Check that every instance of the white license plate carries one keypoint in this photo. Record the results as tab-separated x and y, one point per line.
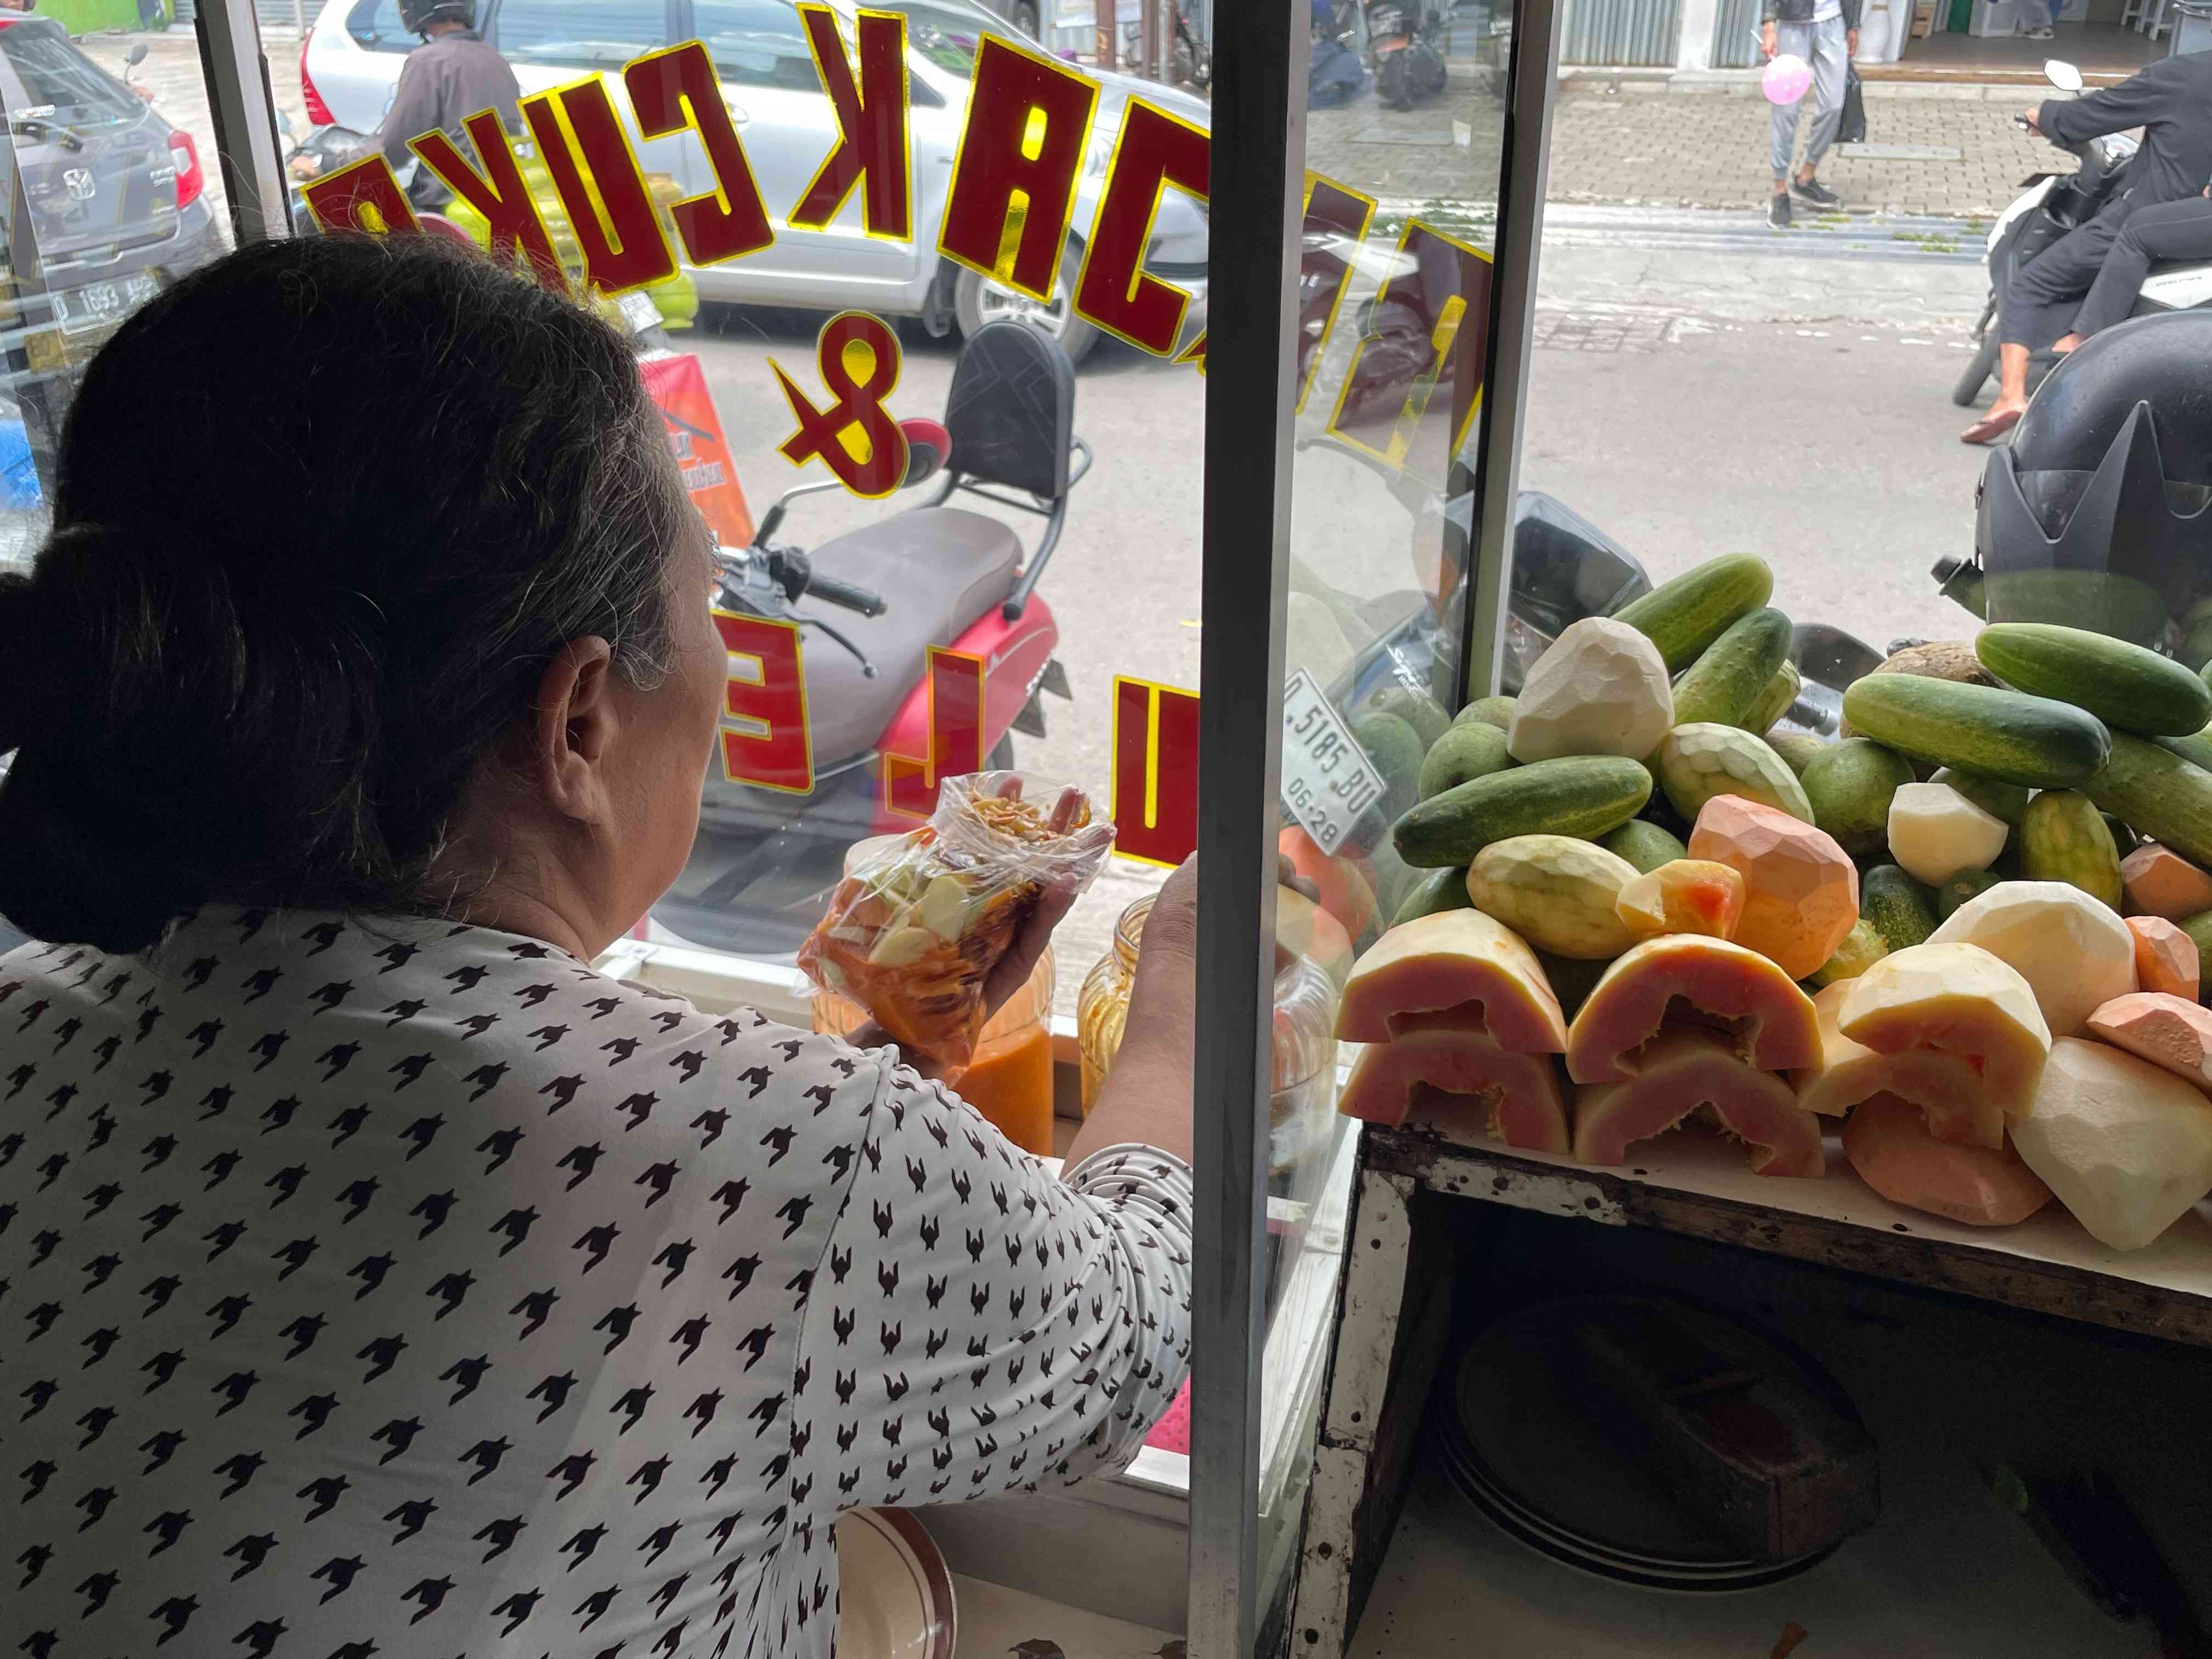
1328	782
639	312
98	304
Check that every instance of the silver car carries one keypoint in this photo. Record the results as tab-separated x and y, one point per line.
768	80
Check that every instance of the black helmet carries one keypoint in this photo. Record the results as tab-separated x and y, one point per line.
2096	514
419	14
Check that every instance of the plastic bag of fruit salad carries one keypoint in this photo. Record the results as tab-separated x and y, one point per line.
912	933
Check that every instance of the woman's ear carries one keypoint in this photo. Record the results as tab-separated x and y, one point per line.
573	724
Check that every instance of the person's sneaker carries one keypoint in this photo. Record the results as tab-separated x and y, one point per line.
2040	35
1778	212
1813	190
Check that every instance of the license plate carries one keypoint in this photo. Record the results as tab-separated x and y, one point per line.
99	305
639	312
1328	782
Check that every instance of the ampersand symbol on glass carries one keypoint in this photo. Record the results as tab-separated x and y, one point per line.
856	437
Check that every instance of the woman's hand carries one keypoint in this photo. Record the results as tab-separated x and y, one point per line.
1053	902
1767	38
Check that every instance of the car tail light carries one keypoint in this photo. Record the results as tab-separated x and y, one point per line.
318	112
191	179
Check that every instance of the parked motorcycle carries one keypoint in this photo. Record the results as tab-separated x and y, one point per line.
2050	205
1190	59
1334	75
933	574
1405	43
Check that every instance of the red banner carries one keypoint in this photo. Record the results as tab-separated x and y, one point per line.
679	385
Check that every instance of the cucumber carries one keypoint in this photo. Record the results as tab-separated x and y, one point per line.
2129	687
1797	749
1418	710
1556	892
1580	795
2063	838
1439	889
1487	711
1697	763
2158	795
1862	948
1850	784
1897	906
1726	683
2119	606
1462	755
2196	748
2011	736
1957	891
2000	800
1684	616
1779	698
2199	929
1643	844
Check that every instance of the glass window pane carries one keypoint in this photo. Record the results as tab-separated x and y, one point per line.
588	34
757	43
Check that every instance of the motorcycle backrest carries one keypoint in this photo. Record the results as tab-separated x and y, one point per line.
1011	413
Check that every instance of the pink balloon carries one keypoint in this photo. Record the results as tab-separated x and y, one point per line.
1787	77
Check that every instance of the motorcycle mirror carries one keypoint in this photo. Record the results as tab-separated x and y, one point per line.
2062	75
928	447
137	54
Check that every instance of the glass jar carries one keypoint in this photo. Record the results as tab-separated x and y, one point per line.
1101	1008
1010	1079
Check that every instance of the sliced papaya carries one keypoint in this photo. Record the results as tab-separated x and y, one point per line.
1454	959
1688	979
1945	1089
1516	1096
1888	1144
1959	999
1683	1070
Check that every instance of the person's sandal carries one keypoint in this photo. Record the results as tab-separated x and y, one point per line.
1991	427
1813	190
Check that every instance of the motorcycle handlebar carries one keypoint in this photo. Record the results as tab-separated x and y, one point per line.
852	598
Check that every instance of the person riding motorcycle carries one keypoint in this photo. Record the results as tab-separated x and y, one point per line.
2095	516
447	79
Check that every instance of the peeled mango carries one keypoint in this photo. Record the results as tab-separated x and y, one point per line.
2126	1145
1957	999
1684	896
1735	994
1517	1095
2158	882
1890	1147
2166	957
1556	892
1800	889
1682	1071
1600	689
2162	1029
1944	1090
2071	949
1453	960
1935	832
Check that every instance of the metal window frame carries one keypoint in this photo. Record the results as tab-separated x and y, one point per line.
244	111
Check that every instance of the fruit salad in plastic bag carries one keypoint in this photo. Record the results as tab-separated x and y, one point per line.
913	934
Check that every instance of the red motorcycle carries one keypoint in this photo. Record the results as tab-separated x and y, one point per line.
766	859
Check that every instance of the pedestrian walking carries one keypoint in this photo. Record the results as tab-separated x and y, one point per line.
1824	34
2035	18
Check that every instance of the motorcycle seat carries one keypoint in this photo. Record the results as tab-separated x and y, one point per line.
937	569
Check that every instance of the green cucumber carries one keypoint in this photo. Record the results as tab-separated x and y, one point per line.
2011	736
2119	606
1797	748
1850	784
1579	795
1779	698
1439	889
1862	948
2199	929
1727	681
1461	755
1643	844
1897	906
2158	795
2196	748
2063	838
2000	800
1487	711
1697	763
1684	616
1972	884
2129	687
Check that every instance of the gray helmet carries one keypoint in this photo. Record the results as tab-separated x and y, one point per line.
418	15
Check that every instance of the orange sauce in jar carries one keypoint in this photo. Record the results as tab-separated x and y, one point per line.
1010	1082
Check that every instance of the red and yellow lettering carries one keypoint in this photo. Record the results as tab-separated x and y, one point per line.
1155	150
767	691
1155	772
1442	299
1013	180
601	186
871	129
1331	209
498	192
674	90
364	197
856	438
956	736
